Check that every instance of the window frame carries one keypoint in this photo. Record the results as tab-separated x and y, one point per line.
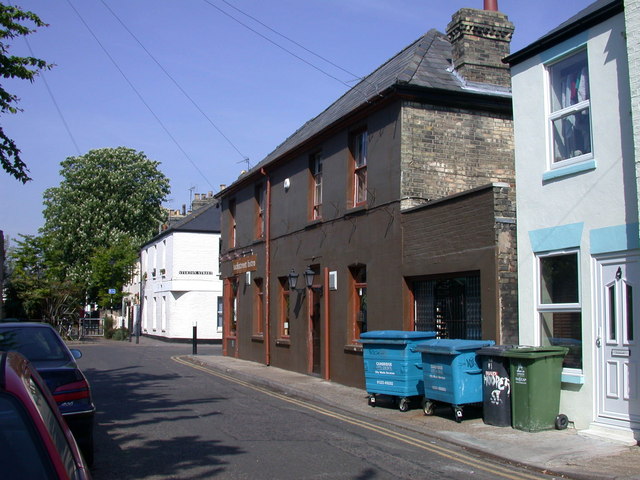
284	319
259	199
232	223
554	114
258	307
566	307
356	326
358	151
316	166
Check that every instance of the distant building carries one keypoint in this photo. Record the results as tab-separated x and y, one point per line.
180	285
578	242
396	202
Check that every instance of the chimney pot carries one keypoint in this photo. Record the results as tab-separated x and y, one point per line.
491	5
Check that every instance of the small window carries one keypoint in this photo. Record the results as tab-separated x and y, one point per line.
358	317
258	302
220	313
359	143
259	206
559	305
315	166
570	110
232	223
283	324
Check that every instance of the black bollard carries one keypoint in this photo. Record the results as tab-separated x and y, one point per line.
194	350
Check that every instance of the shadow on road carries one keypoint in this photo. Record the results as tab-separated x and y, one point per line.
130	401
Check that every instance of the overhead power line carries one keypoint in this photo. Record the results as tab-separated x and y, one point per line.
175	82
278	45
139	95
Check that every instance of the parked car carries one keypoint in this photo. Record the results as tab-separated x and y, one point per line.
36	441
56	364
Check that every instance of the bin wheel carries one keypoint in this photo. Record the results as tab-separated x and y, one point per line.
372	400
457	412
428	407
403	404
562	422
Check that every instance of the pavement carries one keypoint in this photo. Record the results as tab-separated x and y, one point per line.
568	453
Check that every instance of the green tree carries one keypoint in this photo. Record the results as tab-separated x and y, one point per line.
34	287
13	23
112	268
107	197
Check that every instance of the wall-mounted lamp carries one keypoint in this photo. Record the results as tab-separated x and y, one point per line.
308	279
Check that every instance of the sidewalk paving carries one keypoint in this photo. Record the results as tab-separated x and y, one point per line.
565	452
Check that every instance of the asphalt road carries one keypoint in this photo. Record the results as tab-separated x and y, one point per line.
161	419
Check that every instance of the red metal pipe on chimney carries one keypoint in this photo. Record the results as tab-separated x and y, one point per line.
491	5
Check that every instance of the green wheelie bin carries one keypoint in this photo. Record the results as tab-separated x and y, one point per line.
535	387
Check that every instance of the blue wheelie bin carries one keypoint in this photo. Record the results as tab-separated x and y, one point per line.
391	366
452	373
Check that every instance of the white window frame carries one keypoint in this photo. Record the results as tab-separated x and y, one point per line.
553	115
542	308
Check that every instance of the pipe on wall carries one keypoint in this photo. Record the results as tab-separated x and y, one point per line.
267	280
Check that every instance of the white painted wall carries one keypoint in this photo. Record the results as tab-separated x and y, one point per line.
603	197
190	286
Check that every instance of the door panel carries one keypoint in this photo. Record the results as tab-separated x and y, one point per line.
617	350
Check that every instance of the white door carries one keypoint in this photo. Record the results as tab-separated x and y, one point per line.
617	334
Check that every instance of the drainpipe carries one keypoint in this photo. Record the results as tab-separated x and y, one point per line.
491	5
267	280
327	333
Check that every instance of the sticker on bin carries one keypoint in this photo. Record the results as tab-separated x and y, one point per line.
521	375
384	368
384	382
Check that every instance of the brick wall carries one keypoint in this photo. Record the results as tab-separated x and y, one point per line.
448	150
480	40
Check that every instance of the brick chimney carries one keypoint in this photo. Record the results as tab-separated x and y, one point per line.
480	40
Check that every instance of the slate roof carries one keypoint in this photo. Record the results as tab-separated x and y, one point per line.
206	219
425	64
595	13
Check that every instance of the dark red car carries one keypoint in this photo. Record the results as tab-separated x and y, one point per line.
36	442
56	364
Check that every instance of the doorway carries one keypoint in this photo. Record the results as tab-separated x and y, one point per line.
617	351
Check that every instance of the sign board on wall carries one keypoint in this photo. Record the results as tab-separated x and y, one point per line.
245	264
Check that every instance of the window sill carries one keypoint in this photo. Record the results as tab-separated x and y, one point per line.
283	342
258	240
359	210
259	338
353	348
569	170
574	378
314	223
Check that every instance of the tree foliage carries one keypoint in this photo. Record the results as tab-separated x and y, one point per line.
107	197
37	289
112	268
13	23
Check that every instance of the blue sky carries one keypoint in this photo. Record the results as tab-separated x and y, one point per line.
235	81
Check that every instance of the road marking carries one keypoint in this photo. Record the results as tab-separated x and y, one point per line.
492	468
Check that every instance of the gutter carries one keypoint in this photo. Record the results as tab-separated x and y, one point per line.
561	34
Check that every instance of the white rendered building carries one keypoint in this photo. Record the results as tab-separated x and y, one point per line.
181	287
577	203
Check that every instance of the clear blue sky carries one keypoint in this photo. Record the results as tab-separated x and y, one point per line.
253	91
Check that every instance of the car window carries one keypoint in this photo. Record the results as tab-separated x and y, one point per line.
54	427
22	453
36	344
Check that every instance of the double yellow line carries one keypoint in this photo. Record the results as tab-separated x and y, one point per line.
493	468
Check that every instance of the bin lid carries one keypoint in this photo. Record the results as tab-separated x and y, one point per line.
381	336
523	351
451	345
495	350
